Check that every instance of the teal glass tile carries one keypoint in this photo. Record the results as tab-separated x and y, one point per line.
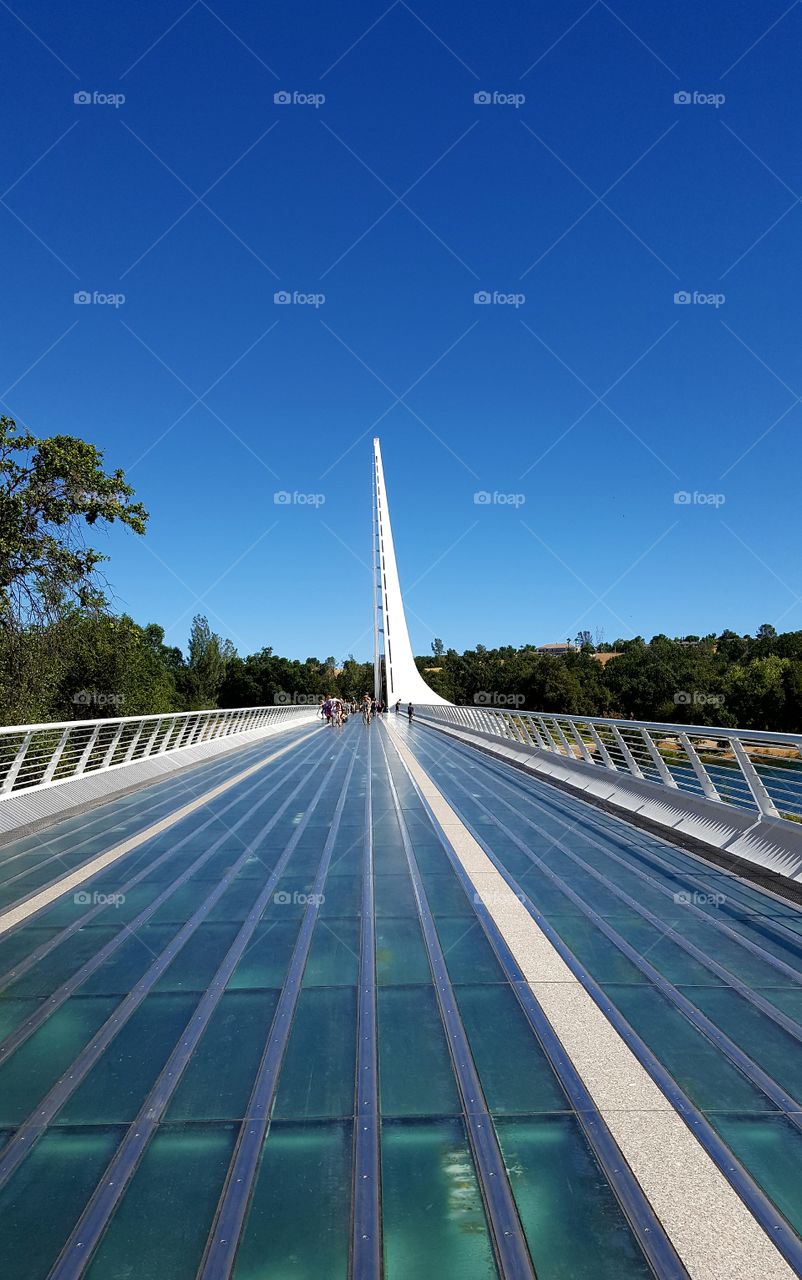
305	1169
160	1227
315	1084
117	1085
434	1221
573	1223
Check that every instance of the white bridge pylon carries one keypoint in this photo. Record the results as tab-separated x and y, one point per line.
402	678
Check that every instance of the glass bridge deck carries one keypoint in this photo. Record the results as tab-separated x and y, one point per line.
282	1039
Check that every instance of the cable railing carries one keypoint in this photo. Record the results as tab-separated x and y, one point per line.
747	768
38	755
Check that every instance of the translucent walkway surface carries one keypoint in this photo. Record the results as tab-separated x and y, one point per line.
287	1037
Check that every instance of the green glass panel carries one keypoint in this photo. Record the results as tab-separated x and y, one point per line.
394	896
710	1080
414	1063
400	952
161	1224
42	1202
469	956
236	901
183	903
305	1169
314	1083
666	956
771	1149
729	953
773	1048
513	1069
573	1223
597	953
267	955
29	1073
18	946
333	959
117	1085
13	1012
342	895
199	959
434	1221
217	1082
445	895
65	960
130	961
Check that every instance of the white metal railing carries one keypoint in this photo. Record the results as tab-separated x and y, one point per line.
37	755
743	767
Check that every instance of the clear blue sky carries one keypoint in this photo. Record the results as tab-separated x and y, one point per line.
399	197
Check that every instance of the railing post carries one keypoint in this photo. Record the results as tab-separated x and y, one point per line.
47	776
754	781
632	764
112	747
659	763
87	751
701	772
11	776
586	756
132	745
603	752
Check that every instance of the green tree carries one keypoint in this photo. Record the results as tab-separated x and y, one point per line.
206	666
51	491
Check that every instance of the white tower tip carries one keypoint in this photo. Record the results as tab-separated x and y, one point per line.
402	677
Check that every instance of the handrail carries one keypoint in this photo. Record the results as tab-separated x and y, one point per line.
746	768
35	756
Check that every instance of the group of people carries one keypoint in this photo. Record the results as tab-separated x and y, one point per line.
335	711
